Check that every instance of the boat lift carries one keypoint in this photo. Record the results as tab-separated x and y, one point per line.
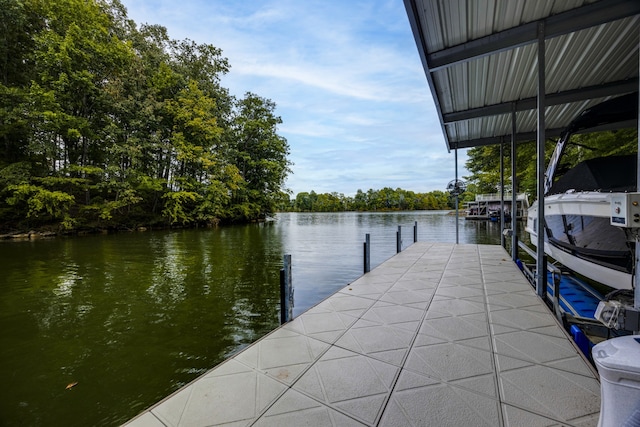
573	301
583	311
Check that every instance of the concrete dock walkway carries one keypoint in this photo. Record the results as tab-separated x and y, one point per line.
438	335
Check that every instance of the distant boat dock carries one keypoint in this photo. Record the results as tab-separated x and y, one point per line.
487	206
440	334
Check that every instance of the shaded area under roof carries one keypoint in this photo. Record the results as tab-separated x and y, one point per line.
480	59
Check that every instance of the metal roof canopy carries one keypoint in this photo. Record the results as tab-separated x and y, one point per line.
518	70
480	59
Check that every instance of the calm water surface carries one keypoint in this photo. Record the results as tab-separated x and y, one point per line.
132	317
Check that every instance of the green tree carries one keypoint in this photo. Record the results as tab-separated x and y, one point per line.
18	24
360	201
260	156
103	123
303	202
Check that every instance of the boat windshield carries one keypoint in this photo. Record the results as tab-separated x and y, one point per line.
604	130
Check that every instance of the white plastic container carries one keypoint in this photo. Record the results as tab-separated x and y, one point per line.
618	362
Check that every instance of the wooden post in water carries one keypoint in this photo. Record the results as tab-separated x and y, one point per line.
286	291
399	240
415	232
367	253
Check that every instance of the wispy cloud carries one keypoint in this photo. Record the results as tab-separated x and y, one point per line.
346	79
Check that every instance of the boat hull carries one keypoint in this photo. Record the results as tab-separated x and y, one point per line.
579	236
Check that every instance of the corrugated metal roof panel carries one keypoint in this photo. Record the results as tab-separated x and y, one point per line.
596	55
595	45
496	126
453	22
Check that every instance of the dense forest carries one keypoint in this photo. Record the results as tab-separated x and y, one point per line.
386	199
104	124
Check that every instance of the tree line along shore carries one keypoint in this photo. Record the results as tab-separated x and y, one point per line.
105	124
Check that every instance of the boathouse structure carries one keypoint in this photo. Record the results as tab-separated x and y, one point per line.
510	71
496	207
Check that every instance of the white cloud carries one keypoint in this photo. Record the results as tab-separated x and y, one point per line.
346	79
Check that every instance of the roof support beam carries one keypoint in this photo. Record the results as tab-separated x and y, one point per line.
412	13
502	225
530	136
636	294
455	151
563	23
574	95
514	191
520	137
541	261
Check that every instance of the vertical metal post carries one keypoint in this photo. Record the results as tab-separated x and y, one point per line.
455	151
399	239
541	264
283	299
514	189
636	280
286	291
502	225
367	253
415	231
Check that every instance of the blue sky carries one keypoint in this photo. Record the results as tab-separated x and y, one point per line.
345	76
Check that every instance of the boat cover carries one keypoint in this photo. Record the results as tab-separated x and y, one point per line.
607	174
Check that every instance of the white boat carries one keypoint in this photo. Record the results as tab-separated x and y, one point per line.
578	230
593	247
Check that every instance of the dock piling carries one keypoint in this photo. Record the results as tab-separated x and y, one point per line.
415	231
367	253
286	291
399	239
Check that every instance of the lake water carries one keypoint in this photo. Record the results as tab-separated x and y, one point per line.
95	329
